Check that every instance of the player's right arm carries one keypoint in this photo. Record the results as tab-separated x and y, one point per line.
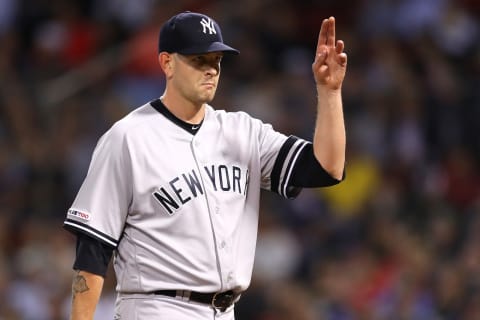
97	218
91	263
86	291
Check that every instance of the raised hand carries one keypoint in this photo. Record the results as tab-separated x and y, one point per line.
330	61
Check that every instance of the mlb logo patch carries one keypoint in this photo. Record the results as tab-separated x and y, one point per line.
79	214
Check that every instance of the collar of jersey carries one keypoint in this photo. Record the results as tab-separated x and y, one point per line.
158	105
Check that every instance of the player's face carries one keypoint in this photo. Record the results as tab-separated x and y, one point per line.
196	76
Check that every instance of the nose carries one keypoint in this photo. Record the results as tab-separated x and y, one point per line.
212	68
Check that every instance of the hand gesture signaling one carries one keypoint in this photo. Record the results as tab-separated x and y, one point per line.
330	61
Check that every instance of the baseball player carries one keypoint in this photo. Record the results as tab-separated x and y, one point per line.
172	191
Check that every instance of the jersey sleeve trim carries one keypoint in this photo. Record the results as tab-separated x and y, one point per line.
75	226
284	164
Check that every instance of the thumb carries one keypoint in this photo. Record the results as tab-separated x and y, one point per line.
321	56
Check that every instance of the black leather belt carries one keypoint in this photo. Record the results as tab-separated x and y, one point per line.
218	300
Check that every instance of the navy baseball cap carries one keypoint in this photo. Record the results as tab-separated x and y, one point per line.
192	33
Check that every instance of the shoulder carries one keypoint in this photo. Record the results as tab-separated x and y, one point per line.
235	118
132	122
123	133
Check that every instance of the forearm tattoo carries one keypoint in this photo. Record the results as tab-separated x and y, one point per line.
79	284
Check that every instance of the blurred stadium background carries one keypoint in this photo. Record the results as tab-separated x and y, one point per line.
399	239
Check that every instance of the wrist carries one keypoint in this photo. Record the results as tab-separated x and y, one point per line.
324	91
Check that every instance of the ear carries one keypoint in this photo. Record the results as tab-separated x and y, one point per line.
167	63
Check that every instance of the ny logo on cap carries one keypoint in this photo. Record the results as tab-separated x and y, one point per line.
208	24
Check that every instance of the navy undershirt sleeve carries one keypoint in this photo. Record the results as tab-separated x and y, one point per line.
308	173
92	255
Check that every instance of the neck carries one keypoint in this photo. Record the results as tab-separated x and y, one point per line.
183	109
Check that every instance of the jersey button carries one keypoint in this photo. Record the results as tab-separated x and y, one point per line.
223	245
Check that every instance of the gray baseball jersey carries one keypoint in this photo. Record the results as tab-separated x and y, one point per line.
182	209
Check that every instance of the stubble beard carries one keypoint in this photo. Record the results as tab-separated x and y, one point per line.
206	97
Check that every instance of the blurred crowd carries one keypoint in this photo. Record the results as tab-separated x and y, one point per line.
399	239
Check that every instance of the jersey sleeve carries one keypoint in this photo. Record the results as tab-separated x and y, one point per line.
278	154
284	162
289	164
101	205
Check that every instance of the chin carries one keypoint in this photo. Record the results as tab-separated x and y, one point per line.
208	98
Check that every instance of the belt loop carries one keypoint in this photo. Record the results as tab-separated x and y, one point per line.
183	295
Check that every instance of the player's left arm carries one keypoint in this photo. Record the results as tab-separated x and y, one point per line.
329	69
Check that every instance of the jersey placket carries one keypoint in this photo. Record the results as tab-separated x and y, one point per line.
196	149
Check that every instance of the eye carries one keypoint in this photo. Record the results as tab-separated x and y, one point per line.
198	59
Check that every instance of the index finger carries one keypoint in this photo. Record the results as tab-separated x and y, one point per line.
322	36
331	32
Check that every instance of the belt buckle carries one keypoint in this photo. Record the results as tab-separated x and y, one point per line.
223	300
